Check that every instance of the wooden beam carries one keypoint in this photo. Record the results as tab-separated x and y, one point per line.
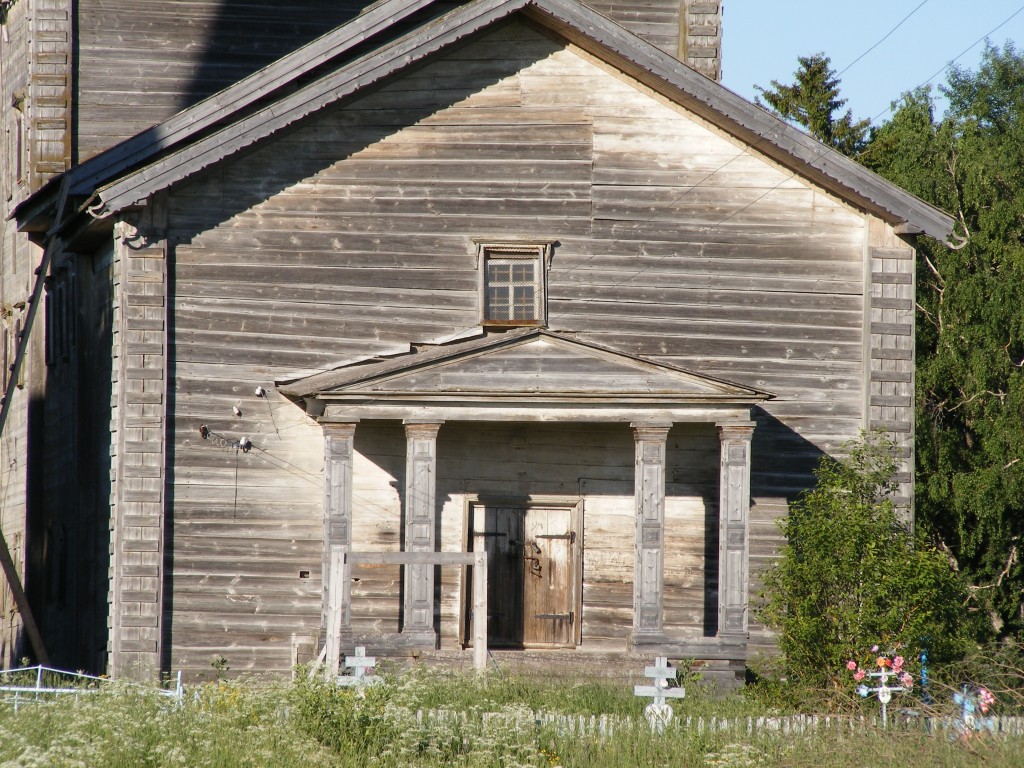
480	611
339	607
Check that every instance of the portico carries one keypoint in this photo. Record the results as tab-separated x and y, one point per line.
539	377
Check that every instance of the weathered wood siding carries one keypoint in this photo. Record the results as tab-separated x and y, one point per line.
890	335
690	30
49	95
352	235
14	254
140	61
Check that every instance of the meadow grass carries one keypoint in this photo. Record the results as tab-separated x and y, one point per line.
472	722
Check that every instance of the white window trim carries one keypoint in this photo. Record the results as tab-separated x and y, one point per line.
541	250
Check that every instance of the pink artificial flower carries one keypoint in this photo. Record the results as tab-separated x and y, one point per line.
897	663
859	675
874	649
907	680
985	699
851	665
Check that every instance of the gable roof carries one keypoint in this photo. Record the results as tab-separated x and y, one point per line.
295	87
523	364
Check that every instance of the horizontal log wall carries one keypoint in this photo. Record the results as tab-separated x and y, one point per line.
140	61
352	235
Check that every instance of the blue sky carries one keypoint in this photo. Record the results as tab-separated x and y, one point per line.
762	39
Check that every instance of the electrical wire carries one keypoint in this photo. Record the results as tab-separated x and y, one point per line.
885	37
959	56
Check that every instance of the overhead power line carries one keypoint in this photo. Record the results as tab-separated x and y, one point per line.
885	37
960	55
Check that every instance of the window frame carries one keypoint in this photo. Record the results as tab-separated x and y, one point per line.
537	251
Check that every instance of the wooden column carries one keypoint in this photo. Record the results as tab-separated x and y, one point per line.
339	449
649	563
420	521
734	527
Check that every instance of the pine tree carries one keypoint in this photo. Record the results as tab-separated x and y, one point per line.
813	101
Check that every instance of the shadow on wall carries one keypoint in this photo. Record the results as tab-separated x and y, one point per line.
540	464
246	35
130	72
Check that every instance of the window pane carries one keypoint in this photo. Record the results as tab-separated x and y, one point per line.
511	288
523	303
498	307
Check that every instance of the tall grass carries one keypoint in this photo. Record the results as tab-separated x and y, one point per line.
473	723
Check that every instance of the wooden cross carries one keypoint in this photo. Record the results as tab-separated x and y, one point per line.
659	711
362	668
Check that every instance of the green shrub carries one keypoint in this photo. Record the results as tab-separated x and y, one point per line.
850	575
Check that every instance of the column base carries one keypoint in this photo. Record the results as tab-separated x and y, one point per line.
423	639
641	641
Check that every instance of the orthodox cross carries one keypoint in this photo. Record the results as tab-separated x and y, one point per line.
362	669
883	690
659	711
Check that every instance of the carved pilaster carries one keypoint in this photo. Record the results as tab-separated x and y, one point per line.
420	521
339	449
734	527
649	567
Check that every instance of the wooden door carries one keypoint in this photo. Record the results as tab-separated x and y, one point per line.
531	593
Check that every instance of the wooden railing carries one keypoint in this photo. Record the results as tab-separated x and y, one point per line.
339	595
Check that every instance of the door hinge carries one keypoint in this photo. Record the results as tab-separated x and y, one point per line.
571	536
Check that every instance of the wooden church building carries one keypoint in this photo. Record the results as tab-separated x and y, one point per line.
426	276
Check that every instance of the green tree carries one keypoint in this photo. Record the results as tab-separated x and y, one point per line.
813	101
850	575
970	329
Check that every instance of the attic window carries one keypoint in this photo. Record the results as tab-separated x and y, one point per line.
513	278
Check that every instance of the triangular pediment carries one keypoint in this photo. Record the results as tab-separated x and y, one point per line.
524	365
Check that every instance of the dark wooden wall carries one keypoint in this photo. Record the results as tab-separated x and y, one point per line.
140	61
352	235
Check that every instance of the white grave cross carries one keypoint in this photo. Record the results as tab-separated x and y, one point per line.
883	690
362	669
659	711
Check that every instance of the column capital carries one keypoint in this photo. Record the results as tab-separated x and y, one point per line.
342	429
654	431
421	429
736	430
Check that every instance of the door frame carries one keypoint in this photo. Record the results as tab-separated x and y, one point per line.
574	504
